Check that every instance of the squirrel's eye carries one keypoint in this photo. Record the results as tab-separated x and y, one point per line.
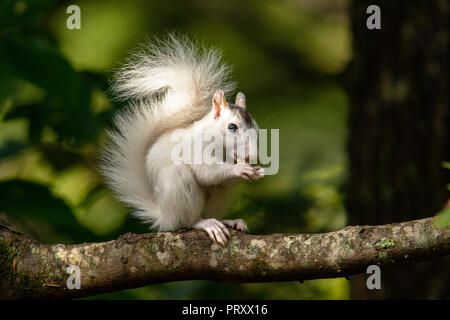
232	127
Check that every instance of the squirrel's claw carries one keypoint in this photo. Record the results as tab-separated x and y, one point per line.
215	229
237	224
249	172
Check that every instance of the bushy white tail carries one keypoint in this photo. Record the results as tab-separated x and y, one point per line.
170	83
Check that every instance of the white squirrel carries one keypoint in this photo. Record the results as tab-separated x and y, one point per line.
172	84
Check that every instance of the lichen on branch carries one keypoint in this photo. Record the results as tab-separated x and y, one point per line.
33	270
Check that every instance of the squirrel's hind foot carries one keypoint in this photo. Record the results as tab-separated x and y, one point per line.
237	224
216	230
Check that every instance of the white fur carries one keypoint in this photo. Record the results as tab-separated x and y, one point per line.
170	85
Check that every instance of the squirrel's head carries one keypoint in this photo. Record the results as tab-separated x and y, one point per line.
237	125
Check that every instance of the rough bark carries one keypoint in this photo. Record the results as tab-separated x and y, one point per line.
399	130
38	271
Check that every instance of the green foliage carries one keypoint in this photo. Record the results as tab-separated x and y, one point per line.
446	165
28	202
442	219
14	13
66	107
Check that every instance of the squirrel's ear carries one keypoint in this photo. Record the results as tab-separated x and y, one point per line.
240	100
219	102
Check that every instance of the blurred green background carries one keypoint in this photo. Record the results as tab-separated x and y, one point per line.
287	57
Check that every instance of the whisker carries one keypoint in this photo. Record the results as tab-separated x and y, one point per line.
273	115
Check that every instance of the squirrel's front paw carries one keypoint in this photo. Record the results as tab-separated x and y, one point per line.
215	229
248	172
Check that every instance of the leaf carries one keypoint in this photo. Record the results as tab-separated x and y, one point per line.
29	201
66	107
34	59
446	165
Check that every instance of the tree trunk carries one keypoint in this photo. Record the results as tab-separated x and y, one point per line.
399	131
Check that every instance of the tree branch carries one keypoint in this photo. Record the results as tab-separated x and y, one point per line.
29	269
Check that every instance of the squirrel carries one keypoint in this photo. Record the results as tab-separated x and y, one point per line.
173	84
